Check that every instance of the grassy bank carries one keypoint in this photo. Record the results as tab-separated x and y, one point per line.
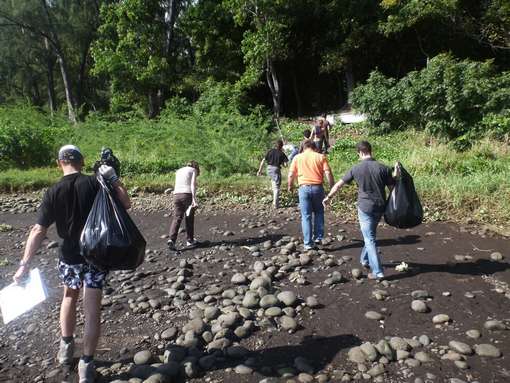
471	185
462	186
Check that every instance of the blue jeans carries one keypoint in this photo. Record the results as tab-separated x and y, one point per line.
294	153
369	256
310	202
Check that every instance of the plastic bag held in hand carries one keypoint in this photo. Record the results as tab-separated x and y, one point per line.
110	239
403	208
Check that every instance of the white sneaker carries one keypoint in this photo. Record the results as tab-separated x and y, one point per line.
86	372
65	352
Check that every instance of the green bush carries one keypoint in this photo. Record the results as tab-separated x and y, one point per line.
293	130
28	138
219	131
449	99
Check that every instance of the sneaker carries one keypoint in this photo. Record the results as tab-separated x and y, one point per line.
317	241
378	277
171	245
366	266
307	247
86	372
65	352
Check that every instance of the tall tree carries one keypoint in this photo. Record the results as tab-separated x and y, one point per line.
264	42
136	49
58	27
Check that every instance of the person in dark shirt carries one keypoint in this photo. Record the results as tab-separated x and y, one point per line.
275	159
67	204
372	178
307	134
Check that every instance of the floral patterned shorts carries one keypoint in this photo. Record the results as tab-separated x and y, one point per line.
75	276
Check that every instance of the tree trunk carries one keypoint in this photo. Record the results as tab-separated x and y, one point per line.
171	12
170	17
274	86
153	103
349	80
55	42
50	64
82	74
67	88
296	93
36	99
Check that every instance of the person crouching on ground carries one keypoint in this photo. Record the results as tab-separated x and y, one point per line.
275	159
310	168
185	203
372	178
67	204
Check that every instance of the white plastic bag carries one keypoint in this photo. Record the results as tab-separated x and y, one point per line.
17	299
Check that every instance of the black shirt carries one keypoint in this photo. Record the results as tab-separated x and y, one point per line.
68	203
276	157
372	177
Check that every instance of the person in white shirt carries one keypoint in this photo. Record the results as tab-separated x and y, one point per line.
185	203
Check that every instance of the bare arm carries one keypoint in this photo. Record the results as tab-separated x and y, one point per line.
329	177
290	180
194	189
35	238
333	191
259	172
122	194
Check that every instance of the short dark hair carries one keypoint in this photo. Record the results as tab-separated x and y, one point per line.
307	133
279	143
364	147
309	144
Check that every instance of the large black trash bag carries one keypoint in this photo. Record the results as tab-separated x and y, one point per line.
110	239
403	208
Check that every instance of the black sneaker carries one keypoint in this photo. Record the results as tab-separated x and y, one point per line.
171	245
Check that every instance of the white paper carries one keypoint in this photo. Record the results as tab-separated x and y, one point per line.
188	210
17	299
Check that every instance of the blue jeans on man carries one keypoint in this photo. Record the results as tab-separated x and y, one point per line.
369	257
310	203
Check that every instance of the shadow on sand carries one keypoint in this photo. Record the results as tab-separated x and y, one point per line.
479	267
404	240
311	355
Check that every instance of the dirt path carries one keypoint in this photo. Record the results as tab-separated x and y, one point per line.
452	263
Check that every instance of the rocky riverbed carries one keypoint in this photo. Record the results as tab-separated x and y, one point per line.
251	306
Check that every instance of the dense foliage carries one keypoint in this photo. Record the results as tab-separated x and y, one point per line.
212	131
29	138
458	100
293	56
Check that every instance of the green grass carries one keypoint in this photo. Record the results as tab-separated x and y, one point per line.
471	185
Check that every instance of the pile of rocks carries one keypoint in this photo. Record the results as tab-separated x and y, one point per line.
221	315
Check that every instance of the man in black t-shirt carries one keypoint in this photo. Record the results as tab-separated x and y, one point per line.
372	178
67	204
275	159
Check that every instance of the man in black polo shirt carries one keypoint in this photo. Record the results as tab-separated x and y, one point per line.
275	158
67	204
372	178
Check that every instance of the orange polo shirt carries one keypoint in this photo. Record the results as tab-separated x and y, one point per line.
309	167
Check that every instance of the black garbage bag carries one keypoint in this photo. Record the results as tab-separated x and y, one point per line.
110	239
403	208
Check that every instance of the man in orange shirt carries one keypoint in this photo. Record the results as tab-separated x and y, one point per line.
310	168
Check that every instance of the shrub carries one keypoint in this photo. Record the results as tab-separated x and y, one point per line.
293	130
449	98
28	138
